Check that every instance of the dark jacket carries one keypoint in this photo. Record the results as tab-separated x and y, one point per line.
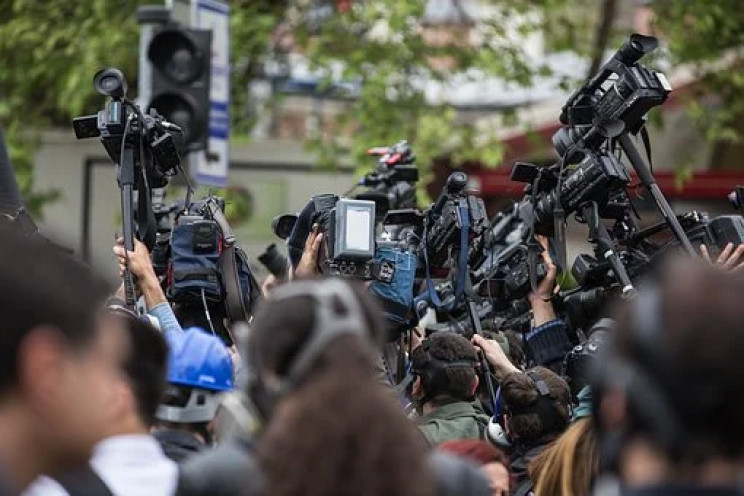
178	445
458	420
686	490
231	469
520	461
454	476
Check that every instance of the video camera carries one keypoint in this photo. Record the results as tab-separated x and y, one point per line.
392	183
144	151
622	91
455	223
349	245
597	178
121	123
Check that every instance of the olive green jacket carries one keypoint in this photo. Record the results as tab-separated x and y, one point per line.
459	420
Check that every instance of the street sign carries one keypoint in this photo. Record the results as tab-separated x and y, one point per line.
210	167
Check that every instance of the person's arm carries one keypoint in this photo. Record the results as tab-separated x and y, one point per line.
147	281
500	363
540	299
547	340
549	344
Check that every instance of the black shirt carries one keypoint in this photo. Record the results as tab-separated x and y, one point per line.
178	445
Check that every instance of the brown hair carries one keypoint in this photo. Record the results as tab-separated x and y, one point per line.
520	391
340	431
569	465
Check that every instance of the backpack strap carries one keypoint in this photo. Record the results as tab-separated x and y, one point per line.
85	482
234	300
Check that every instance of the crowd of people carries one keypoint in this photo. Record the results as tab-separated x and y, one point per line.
96	399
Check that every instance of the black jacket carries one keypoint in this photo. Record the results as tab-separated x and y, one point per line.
520	461
231	469
178	445
686	490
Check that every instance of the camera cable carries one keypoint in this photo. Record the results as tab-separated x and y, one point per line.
206	312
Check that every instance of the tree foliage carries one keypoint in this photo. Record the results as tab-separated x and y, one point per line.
709	36
50	49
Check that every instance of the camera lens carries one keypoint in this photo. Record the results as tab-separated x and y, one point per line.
110	82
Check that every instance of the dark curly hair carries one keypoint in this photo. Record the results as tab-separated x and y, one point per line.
339	431
451	347
519	391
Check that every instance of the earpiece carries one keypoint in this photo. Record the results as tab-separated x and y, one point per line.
497	435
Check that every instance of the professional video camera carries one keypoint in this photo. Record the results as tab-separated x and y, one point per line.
143	149
622	91
392	183
455	223
193	248
348	227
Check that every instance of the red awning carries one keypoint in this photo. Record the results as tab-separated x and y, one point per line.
704	185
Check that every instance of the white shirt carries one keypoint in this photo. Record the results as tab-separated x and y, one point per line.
131	464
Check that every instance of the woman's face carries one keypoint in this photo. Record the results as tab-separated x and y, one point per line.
498	478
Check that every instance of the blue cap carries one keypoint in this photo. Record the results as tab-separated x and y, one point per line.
200	360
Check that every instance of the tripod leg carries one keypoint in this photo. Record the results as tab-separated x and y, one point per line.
648	180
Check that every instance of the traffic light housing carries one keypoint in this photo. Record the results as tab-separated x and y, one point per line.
180	59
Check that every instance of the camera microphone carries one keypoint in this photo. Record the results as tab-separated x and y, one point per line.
172	127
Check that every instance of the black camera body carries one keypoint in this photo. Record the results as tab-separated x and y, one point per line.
622	91
392	183
120	122
715	233
445	223
516	274
597	177
349	229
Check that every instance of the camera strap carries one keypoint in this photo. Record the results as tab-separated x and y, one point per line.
234	301
462	264
146	225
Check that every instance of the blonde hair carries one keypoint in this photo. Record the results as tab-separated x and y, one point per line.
568	466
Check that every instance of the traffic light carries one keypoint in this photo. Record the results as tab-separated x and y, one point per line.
180	58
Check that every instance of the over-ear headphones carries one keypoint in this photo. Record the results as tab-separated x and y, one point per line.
337	313
545	406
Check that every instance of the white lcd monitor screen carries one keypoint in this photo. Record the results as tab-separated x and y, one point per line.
358	229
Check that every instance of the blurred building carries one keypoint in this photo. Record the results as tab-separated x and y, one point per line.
278	174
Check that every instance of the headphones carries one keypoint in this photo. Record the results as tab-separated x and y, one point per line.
544	407
330	322
433	371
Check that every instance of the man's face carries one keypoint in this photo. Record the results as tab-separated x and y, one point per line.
83	384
